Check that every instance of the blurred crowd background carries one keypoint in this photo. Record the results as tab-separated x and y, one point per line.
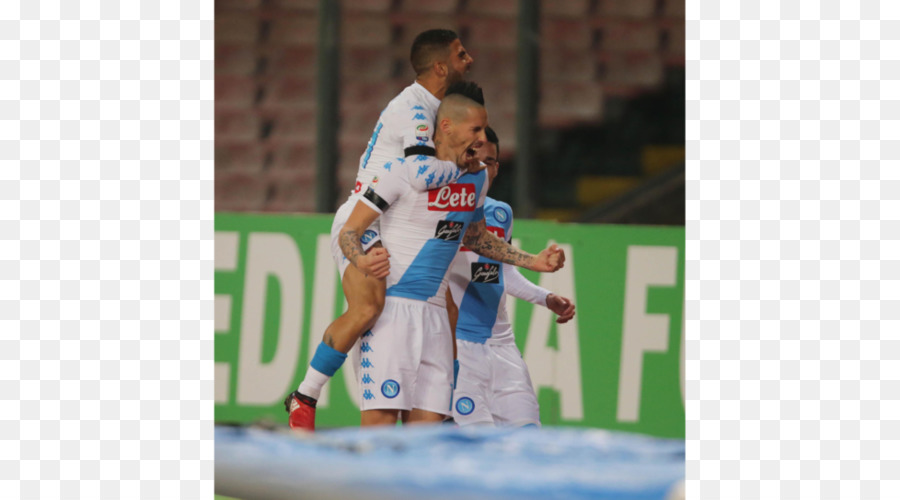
609	100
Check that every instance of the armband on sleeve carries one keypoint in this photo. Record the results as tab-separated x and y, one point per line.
519	286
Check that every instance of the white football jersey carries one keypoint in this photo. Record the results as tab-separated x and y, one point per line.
423	230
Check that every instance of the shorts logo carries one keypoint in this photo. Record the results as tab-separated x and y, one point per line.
501	215
452	198
390	389
448	230
367	236
422	132
485	272
465	406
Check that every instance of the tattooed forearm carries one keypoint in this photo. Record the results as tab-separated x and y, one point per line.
489	245
350	245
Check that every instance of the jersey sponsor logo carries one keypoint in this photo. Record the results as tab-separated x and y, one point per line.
501	215
390	389
448	230
485	272
422	133
367	236
452	198
499	231
465	405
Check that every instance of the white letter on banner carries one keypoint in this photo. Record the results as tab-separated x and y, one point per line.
559	370
277	255
226	257
641	332
323	311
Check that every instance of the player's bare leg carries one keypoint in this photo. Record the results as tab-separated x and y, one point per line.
419	416
371	418
365	300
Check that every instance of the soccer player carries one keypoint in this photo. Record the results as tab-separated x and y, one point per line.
404	130
493	386
406	359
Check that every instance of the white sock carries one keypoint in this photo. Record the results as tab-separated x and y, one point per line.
312	383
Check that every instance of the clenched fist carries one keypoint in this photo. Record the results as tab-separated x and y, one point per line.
376	263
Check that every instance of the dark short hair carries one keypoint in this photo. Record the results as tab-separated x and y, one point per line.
466	89
429	45
492	138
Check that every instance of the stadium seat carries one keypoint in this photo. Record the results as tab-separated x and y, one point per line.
409	25
643	70
566	65
236	26
445	7
565	8
632	9
247	156
292	125
234	92
568	33
297	60
368	96
674	9
380	6
493	8
363	63
298	157
228	5
307	5
486	33
565	103
235	59
624	36
673	46
290	92
499	96
504	123
365	30
493	65
237	125
239	191
291	191
293	29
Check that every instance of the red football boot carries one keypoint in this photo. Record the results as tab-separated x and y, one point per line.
302	410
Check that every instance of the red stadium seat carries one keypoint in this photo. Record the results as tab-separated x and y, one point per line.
573	34
493	65
493	8
235	59
236	26
307	5
445	7
565	103
492	33
298	157
674	9
379	6
566	65
365	30
237	125
291	191
294	29
366	63
644	70
239	156
565	8
234	92
624	36
227	5
630	9
290	92
296	60
292	125
239	191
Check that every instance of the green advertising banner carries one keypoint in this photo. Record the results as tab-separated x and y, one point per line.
618	365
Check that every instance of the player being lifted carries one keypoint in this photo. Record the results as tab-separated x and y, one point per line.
406	359
494	386
404	130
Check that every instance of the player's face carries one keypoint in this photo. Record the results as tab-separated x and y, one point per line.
469	131
459	63
491	160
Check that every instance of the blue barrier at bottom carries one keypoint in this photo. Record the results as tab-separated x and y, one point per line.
446	462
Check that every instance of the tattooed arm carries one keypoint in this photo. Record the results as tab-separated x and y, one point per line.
376	262
484	243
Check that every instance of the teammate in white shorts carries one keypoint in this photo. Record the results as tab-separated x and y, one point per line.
406	359
404	130
493	386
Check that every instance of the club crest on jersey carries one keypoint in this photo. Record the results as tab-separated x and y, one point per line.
448	230
501	215
390	389
367	236
452	198
485	272
422	132
465	405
